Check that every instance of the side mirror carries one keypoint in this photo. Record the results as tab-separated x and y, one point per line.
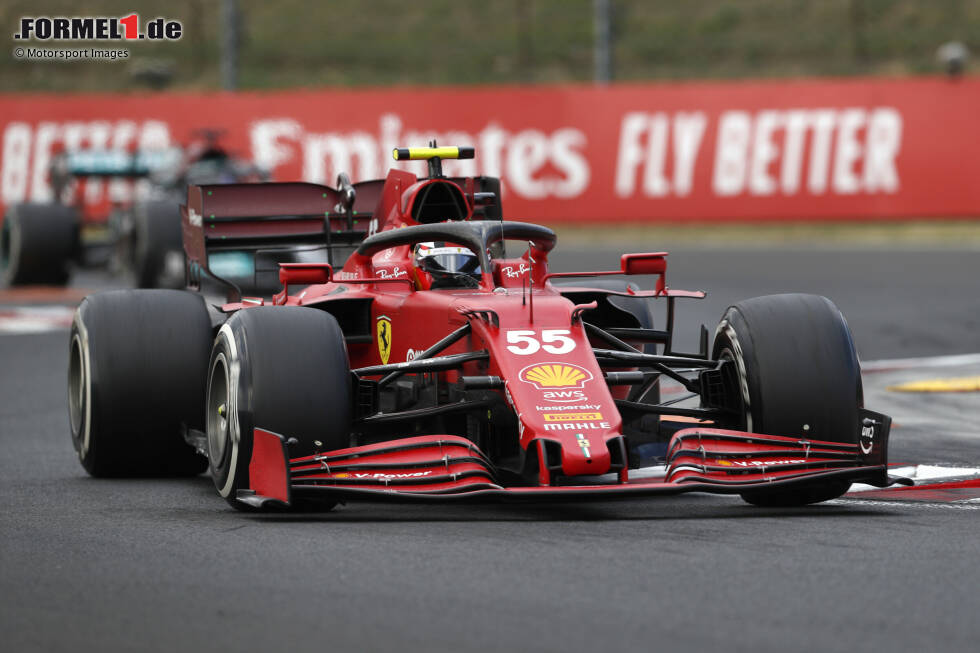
647	263
304	273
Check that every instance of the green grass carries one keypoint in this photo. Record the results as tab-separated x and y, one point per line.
347	43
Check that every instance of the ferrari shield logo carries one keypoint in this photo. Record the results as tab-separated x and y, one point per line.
384	338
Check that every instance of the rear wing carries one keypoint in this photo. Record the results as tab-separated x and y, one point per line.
115	163
270	218
69	168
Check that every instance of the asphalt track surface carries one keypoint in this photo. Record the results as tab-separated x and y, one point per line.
165	565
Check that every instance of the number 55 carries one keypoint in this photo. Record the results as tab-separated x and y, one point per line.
525	343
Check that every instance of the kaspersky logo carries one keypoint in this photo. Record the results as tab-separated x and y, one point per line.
552	376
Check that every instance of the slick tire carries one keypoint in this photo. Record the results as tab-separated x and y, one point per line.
282	369
798	376
156	236
136	374
37	242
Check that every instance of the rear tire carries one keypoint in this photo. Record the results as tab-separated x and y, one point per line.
37	242
798	376
136	374
156	237
282	369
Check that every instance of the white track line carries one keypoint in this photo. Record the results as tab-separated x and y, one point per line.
923	475
903	504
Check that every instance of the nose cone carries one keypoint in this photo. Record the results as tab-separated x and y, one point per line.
584	455
554	384
581	431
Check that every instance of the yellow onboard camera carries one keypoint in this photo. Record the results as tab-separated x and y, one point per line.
426	153
433	155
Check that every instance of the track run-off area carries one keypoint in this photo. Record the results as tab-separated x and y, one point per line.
158	565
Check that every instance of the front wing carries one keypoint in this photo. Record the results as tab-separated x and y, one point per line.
451	468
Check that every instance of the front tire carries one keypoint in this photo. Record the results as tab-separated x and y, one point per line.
136	373
282	369
798	376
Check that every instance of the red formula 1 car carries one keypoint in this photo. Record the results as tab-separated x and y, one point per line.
445	361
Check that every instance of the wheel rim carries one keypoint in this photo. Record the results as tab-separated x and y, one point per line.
77	383
219	432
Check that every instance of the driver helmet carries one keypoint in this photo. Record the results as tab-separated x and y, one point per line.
450	265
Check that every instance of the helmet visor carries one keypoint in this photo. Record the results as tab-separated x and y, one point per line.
459	260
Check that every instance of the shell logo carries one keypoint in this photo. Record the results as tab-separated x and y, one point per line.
545	376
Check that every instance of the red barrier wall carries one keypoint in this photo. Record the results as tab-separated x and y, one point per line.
816	149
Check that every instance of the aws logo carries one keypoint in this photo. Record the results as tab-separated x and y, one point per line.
552	376
564	396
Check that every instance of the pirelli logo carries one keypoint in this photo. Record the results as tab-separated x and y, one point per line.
572	417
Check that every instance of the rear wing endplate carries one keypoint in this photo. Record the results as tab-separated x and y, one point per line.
253	217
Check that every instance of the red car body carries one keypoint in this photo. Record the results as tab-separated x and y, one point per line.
513	358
